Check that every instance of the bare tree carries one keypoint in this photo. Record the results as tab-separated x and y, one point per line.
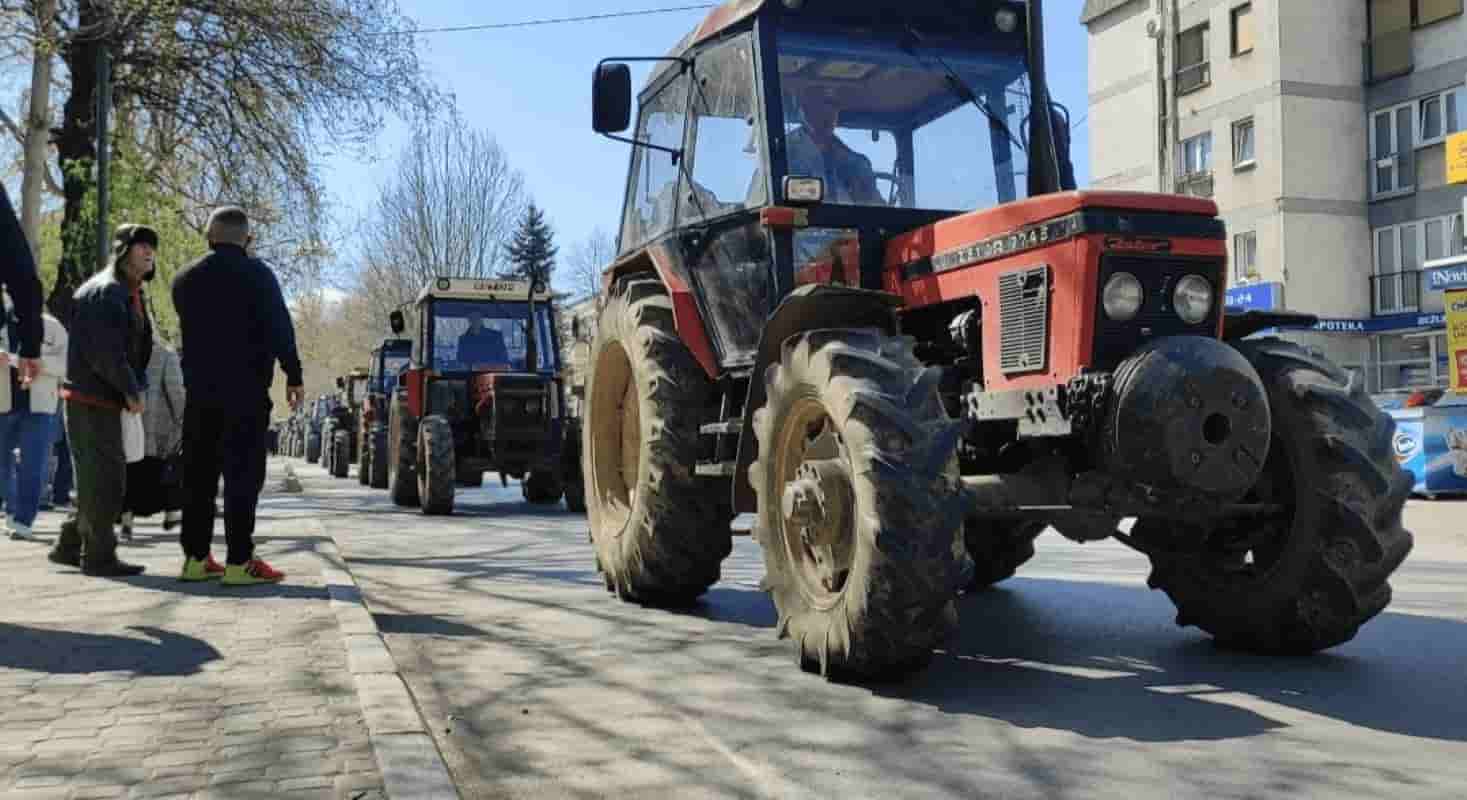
449	210
587	260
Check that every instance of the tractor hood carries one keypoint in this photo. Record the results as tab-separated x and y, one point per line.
996	232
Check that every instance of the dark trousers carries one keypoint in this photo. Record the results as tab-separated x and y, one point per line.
95	436
229	443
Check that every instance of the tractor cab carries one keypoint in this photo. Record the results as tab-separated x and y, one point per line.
782	144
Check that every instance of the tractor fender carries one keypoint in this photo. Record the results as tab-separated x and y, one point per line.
1239	324
659	257
807	308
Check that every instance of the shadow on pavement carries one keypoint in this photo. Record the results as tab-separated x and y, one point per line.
72	652
1020	658
425	625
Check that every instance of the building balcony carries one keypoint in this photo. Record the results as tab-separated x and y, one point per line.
1196	184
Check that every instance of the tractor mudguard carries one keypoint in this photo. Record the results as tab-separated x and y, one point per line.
1238	324
809	307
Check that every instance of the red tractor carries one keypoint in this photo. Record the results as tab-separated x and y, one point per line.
808	321
482	394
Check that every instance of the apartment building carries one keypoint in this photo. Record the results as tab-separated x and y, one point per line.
1321	129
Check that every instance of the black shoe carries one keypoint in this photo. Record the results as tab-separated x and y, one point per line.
112	569
64	559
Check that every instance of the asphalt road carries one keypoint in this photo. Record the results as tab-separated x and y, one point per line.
1069	681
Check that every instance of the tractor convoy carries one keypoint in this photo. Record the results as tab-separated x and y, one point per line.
858	296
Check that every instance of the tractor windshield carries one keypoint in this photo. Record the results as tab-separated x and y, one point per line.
893	119
483	336
392	366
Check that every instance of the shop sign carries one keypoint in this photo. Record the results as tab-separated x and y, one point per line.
1394	322
1257	297
1457	339
1451	276
1457	158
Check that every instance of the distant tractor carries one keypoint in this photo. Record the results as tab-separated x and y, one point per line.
857	295
482	393
388	361
342	438
315	425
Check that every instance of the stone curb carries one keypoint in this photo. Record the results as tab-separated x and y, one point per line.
408	758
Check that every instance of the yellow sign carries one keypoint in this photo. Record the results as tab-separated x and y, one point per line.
1457	158
1457	338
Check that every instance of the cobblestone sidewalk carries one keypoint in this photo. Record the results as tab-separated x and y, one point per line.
147	687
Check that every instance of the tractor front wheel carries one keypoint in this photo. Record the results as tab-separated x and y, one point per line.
340	454
659	530
364	457
860	508
402	457
1307	577
437	473
377	449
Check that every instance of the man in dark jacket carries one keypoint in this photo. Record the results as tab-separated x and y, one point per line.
111	339
18	274
235	329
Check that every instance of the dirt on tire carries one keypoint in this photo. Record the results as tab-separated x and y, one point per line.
402	456
437	469
661	533
1325	571
896	601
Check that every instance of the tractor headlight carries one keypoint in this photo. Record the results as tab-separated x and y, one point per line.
1192	299
1122	297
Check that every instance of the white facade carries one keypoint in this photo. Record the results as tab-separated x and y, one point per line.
1308	204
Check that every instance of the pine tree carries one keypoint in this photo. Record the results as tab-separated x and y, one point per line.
532	252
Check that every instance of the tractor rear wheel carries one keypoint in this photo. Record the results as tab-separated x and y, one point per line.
541	488
860	504
377	448
340	454
313	448
437	470
1305	579
659	530
402	456
998	549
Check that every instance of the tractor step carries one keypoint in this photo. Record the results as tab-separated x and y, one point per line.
723	428
721	469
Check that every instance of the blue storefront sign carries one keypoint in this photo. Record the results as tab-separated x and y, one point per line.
1394	322
1448	276
1257	297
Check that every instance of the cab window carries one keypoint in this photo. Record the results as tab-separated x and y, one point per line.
652	208
726	137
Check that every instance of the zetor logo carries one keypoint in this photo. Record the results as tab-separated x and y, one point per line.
1406	446
1137	245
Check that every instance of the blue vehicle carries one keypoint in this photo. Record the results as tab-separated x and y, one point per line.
388	363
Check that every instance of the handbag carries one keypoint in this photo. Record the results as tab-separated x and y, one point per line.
133	438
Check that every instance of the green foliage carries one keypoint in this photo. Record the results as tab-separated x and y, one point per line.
533	250
133	198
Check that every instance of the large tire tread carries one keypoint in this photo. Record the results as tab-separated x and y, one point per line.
1347	537
670	549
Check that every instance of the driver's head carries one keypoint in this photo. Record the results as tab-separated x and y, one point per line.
820	109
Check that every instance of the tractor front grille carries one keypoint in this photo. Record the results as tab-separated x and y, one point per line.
1023	309
1116	341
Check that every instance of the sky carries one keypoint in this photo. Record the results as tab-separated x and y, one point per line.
531	89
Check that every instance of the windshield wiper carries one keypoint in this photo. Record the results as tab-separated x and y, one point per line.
961	88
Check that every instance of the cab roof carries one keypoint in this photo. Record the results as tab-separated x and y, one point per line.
487	289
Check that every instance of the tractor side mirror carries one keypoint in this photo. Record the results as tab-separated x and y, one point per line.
340	384
398	322
576	329
611	98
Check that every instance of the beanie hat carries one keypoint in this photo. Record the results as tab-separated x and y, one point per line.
129	234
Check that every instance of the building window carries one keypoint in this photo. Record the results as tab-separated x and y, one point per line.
1197	155
1243	29
1405	361
1243	145
1245	255
1441	115
1425	12
1192	67
1393	168
1443	238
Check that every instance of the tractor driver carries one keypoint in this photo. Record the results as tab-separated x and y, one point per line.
815	151
481	345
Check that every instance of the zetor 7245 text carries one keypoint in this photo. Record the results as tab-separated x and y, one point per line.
857	296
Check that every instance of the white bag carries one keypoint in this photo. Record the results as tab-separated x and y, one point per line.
132	437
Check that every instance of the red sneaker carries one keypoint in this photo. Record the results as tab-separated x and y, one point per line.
256	571
213	568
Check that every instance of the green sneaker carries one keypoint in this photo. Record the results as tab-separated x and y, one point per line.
196	571
256	571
